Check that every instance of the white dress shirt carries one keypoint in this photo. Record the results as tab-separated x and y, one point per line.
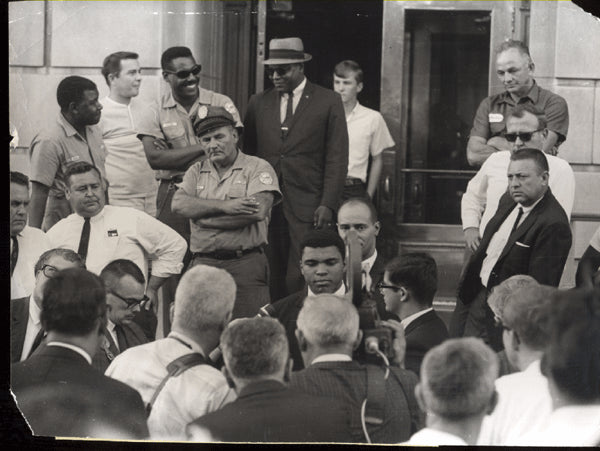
123	232
296	93
500	238
433	437
524	404
195	392
34	325
110	327
341	291
480	200
409	319
32	243
332	358
366	266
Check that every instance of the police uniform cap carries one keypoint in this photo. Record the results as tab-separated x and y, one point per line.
210	118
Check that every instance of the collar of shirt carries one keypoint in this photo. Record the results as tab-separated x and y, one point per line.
356	110
340	291
332	358
110	326
298	89
34	311
93	219
240	163
168	101
526	210
77	349
66	125
409	319
369	261
188	341
533	95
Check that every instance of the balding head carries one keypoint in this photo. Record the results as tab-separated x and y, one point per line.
203	300
500	293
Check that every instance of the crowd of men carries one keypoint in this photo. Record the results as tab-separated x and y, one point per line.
273	327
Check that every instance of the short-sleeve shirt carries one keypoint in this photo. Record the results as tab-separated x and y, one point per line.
247	176
170	121
53	149
368	135
490	119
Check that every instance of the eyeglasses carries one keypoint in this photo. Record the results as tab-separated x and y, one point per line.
131	303
281	71
381	286
185	73
525	136
50	271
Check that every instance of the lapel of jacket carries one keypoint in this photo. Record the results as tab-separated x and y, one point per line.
305	98
18	328
112	347
525	225
270	110
505	206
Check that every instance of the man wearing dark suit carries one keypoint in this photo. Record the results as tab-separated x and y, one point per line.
322	266
409	285
359	213
26	332
306	142
73	311
255	352
327	334
124	283
529	234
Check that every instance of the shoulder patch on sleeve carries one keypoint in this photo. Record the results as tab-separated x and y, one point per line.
265	178
230	108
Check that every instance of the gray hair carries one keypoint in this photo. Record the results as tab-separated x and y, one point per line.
204	298
254	347
457	378
500	293
328	320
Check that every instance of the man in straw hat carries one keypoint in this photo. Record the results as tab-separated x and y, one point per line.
306	141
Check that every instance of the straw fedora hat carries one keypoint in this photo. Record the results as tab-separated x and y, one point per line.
286	51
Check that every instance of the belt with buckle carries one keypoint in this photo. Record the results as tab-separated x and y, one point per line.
226	254
353	181
174	179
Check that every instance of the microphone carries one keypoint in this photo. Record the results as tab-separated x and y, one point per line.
266	311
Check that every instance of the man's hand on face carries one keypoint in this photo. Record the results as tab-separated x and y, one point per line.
472	238
322	217
500	143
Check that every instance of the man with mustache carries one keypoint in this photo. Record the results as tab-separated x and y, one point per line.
515	68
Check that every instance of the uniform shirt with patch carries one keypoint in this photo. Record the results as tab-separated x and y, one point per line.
170	121
490	119
247	176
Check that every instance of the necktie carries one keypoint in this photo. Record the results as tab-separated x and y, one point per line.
121	338
289	112
516	224
37	341
14	255
82	250
366	278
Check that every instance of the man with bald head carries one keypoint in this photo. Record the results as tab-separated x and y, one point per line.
328	333
203	304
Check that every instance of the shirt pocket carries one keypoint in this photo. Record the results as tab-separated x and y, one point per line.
237	189
174	132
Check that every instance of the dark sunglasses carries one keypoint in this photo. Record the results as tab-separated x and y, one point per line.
131	303
525	136
185	73
281	71
381	286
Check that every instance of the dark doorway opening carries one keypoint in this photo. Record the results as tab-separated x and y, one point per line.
333	31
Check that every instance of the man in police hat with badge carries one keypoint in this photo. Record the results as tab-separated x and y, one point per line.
228	198
300	129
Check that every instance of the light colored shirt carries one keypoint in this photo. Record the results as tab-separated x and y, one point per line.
195	392
433	437
499	240
127	170
367	135
365	267
123	232
480	200
168	120
247	176
52	150
34	325
524	404
32	244
341	291
110	327
332	358
296	94
409	319
568	426
77	349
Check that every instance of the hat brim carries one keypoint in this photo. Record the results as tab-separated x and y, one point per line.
277	61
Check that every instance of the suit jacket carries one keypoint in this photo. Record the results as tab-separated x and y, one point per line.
347	381
107	351
268	411
421	335
19	316
312	161
66	374
539	247
286	311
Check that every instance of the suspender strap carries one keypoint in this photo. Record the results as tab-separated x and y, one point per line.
375	395
174	369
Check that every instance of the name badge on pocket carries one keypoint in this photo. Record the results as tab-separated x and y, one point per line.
495	117
113	232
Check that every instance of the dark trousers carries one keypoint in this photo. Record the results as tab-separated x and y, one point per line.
251	275
358	190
